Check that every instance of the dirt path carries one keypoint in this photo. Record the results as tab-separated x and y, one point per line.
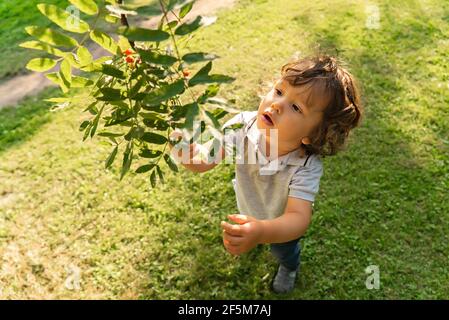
19	87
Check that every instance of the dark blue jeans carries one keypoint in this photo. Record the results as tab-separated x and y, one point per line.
287	253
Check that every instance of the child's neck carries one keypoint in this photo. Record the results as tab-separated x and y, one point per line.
281	150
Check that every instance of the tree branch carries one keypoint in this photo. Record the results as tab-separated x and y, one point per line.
124	22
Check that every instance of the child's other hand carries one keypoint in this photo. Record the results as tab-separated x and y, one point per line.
242	237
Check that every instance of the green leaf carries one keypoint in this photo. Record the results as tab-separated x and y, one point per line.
147	9
112	71
104	41
52	37
63	19
135	89
164	92
109	134
81	82
172	3
145	168
56	78
156	108
72	59
36	45
66	71
123	43
140	34
92	108
135	132
127	159
211	91
156	124
219	113
84	125
58	100
171	24
202	76
154	57
95	123
160	174
111	158
155	138
214	121
170	162
185	9
87	6
198	57
188	27
204	71
146	153
84	56
92	67
111	19
151	115
153	179
192	112
235	126
110	94
86	133
41	64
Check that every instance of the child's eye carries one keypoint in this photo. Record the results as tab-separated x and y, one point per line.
296	108
278	92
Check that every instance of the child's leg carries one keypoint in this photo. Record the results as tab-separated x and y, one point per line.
287	253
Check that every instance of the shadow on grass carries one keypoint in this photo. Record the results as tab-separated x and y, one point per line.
19	123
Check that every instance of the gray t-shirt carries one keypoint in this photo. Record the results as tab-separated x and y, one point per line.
262	187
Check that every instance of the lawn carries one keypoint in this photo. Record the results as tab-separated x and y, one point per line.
15	16
13	22
382	202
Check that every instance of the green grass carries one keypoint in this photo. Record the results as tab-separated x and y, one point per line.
13	22
383	201
15	16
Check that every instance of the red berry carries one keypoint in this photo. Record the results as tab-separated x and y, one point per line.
186	72
128	52
130	59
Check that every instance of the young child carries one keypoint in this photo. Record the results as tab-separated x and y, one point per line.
311	110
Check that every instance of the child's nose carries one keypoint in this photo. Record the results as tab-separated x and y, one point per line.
277	105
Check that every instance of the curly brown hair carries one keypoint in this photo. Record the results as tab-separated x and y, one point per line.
343	111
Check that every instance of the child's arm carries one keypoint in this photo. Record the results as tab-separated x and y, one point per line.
291	225
193	151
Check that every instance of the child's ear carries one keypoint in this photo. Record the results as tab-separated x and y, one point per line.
306	140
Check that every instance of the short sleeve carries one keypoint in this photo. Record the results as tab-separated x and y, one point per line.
305	182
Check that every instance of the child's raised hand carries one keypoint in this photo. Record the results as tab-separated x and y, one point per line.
184	151
242	237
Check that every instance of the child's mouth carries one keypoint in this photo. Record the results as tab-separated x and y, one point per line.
266	118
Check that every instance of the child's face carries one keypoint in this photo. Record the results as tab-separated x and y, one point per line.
290	114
